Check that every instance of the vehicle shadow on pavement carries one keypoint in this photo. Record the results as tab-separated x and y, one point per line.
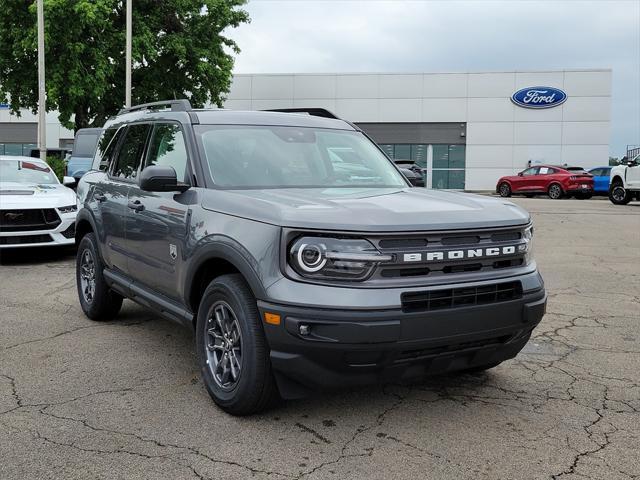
29	256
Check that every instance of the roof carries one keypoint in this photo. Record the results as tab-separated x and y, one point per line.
180	109
237	117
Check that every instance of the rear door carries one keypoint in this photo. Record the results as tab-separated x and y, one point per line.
157	227
544	177
121	176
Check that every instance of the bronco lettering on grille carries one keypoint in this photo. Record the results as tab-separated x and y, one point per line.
460	254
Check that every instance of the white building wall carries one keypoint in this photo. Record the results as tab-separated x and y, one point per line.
501	137
55	131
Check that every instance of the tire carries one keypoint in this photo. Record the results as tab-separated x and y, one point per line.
239	333
618	194
504	189
97	300
555	191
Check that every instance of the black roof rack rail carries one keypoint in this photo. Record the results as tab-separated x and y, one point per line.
316	112
179	105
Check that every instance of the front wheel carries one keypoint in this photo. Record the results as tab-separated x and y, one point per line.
555	192
504	189
619	195
232	349
97	300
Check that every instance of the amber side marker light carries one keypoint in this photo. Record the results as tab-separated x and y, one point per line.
272	318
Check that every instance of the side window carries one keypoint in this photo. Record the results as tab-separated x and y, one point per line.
167	149
530	171
106	148
547	171
600	172
130	153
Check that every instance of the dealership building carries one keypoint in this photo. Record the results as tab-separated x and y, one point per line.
465	129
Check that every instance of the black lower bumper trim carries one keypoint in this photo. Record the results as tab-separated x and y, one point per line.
337	349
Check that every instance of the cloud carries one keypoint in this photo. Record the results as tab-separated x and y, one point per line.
451	36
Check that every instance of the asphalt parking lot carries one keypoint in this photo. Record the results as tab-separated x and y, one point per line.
123	399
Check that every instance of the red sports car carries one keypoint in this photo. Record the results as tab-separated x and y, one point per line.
557	182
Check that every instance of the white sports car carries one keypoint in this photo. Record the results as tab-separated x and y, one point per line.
35	209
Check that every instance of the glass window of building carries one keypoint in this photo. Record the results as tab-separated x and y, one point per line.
448	161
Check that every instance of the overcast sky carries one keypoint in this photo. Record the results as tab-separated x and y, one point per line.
451	36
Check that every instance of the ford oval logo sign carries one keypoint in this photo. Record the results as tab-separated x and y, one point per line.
539	97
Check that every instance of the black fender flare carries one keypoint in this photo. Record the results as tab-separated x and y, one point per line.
224	248
617	178
85	215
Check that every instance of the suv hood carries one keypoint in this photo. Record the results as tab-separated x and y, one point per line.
24	195
385	209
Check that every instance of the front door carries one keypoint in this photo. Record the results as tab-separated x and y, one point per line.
157	228
633	174
524	182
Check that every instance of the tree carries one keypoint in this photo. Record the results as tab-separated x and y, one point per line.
178	51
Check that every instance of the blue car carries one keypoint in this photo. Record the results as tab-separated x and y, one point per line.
84	147
600	180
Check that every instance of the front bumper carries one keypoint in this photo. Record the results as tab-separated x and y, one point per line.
63	234
346	347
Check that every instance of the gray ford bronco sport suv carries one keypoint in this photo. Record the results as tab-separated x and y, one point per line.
298	253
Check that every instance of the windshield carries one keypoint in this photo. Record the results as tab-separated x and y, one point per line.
248	156
20	171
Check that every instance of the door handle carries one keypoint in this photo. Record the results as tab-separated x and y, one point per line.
136	206
100	197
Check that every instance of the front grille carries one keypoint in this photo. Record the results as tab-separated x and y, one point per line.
460	297
401	245
28	220
22	239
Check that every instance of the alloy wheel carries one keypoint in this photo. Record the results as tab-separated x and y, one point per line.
224	345
618	193
555	192
88	275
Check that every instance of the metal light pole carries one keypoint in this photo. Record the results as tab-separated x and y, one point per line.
42	95
127	101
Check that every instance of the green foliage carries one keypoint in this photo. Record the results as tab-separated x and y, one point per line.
58	165
178	48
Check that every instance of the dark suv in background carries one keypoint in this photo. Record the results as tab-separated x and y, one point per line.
298	253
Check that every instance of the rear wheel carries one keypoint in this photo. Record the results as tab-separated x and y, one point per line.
97	300
232	349
618	194
504	189
555	191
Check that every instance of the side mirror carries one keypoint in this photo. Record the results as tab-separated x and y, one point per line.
519	174
68	181
159	178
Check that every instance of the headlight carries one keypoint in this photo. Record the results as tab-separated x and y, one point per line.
334	258
68	209
526	247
